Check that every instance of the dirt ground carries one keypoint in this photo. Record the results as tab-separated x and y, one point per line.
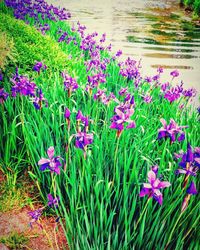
18	221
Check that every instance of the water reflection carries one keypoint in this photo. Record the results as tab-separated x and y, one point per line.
156	31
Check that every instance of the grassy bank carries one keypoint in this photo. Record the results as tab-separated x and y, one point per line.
104	155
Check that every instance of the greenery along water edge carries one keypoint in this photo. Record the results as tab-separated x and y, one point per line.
194	5
95	134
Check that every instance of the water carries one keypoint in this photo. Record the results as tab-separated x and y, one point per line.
159	32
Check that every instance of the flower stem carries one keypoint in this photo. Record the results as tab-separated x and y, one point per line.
172	231
142	213
116	151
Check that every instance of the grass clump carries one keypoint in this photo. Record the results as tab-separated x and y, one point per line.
7	53
15	241
15	194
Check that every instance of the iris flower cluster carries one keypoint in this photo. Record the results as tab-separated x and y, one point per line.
35	8
174	93
36	214
24	87
101	96
130	69
82	137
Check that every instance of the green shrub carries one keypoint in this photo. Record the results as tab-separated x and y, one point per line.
15	241
197	7
7	52
194	4
31	45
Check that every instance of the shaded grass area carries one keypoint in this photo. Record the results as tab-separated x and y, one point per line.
99	201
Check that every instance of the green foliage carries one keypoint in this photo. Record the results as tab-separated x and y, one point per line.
194	4
197	7
14	192
31	45
7	52
15	241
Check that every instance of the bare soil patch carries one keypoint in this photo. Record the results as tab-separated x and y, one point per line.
39	239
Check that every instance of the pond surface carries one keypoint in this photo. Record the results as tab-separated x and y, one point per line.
159	32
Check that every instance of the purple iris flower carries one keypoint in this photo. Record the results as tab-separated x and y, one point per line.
174	73
82	120
1	76
160	70
152	189
189	93
67	117
171	131
29	8
67	113
147	98
53	163
119	53
83	139
99	94
198	110
70	83
173	93
192	189
156	77
39	66
190	161
191	156
80	117
3	95
155	169
43	29
62	37
52	201
103	38
190	170
35	215
123	91
96	79
165	86
120	119
148	79
130	69
38	99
